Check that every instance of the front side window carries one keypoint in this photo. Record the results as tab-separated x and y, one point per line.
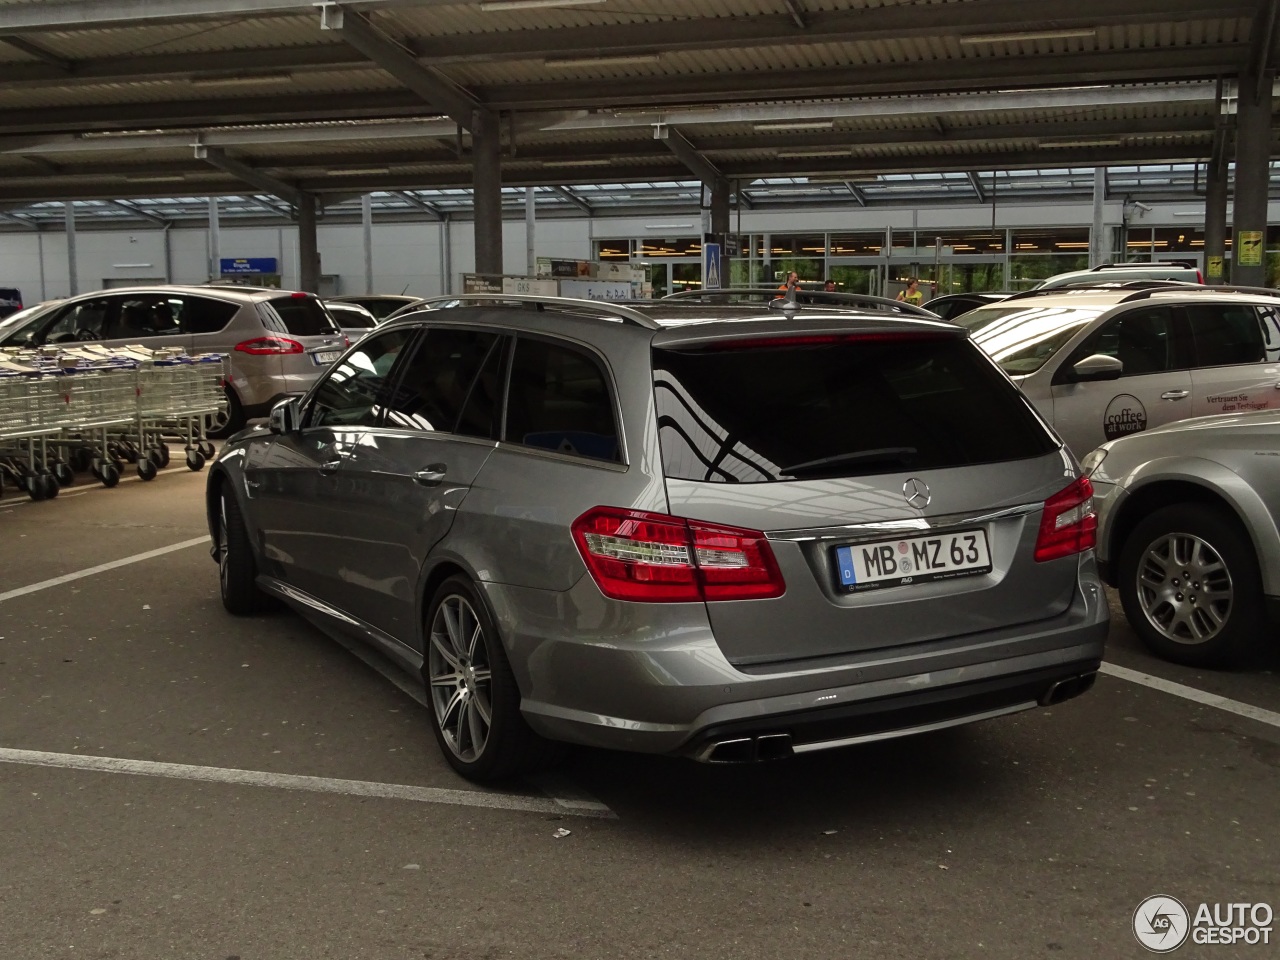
559	399
1225	334
1146	341
83	321
352	392
451	384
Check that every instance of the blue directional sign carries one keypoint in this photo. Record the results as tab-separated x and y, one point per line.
248	265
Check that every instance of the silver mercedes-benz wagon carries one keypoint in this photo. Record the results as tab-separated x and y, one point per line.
729	532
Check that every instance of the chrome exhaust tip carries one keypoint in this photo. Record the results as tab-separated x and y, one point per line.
768	746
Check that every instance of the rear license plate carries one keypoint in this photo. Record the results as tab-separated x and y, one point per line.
893	563
326	356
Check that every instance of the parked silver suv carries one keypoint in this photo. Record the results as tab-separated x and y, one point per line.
279	342
718	531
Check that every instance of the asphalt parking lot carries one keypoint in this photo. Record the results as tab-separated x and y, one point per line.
178	783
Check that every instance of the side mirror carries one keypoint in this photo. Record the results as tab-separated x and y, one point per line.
286	416
1098	367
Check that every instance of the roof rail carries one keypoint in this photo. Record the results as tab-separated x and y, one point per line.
1202	290
806	298
1102	286
1189	264
608	308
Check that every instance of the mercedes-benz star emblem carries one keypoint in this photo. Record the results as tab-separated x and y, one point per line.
917	493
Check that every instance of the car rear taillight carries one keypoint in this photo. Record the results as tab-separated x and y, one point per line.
652	557
265	346
1200	276
1068	525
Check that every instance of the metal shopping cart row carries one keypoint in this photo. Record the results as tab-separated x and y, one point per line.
79	407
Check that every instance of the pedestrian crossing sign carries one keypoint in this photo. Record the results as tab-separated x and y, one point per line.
711	266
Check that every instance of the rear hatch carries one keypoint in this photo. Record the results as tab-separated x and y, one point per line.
309	338
899	478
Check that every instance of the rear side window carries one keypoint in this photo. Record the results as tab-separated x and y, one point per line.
559	399
1225	334
855	407
449	385
202	315
301	316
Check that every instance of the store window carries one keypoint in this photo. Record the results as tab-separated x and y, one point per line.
651	248
613	249
869	244
976	243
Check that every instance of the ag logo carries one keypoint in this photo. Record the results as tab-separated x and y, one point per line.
1161	924
1125	415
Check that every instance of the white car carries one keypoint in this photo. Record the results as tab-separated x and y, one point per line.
1100	364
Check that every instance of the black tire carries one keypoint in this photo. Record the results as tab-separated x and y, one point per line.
146	469
234	418
195	460
1210	612
109	474
237	566
66	476
510	748
51	485
35	487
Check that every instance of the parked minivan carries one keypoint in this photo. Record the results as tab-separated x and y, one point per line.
279	342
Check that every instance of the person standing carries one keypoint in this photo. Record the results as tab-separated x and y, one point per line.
912	294
792	282
829	287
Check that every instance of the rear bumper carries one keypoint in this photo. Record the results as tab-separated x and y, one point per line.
667	688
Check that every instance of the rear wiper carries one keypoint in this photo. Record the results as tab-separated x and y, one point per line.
858	458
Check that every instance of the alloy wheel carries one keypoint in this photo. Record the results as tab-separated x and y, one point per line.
1184	588
461	679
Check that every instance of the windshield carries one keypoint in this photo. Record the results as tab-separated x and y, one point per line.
1023	338
16	320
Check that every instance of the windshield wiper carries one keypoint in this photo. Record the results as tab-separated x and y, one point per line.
858	458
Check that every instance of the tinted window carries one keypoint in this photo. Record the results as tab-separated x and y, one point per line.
1145	341
202	315
440	381
1225	333
141	316
352	391
351	317
302	316
853	408
559	400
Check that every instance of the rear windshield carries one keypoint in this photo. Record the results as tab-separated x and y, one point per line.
855	407
300	316
1023	338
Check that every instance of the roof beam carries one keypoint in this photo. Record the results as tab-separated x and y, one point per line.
1262	43
217	157
100	14
265	204
798	15
856	192
687	154
436	90
24	221
415	201
138	212
63	67
975	181
573	198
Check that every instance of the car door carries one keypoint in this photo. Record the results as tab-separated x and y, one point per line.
1232	368
303	495
414	469
1155	387
146	319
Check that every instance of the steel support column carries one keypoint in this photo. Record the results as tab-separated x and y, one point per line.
215	241
486	149
530	231
366	222
73	280
1253	169
308	248
1099	248
1215	212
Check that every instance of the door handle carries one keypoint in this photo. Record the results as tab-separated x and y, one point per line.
1175	395
431	476
330	466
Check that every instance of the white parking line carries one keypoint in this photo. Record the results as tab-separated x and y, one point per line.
100	568
286	781
1240	709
